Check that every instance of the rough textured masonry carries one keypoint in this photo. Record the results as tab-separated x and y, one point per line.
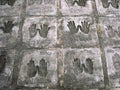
59	44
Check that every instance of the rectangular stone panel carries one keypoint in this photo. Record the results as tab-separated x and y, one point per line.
78	32
42	7
108	7
40	32
10	7
113	65
9	28
6	67
83	68
38	69
76	7
110	30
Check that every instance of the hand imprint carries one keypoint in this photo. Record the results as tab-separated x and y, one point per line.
115	3
85	27
42	70
77	66
88	66
9	2
73	29
80	2
7	28
32	30
44	30
105	3
110	32
31	69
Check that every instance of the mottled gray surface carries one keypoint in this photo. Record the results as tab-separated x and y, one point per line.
59	45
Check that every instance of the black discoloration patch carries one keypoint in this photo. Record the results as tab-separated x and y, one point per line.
2	61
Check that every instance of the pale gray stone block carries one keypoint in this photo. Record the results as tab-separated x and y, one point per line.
12	9
113	66
74	37
9	28
35	36
108	7
110	29
83	68
41	71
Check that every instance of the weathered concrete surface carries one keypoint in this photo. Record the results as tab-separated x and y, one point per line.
68	8
40	37
38	61
113	65
80	71
9	37
105	9
59	44
12	9
78	38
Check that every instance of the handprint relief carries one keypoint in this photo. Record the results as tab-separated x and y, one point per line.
2	61
77	66
80	67
31	69
9	2
7	28
88	66
43	31
105	3
42	70
80	2
72	27
32	30
110	31
113	3
85	27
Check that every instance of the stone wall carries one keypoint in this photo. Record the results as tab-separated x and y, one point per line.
59	45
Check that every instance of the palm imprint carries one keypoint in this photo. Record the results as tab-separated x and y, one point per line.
77	65
31	69
80	2
72	27
85	27
7	28
42	70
